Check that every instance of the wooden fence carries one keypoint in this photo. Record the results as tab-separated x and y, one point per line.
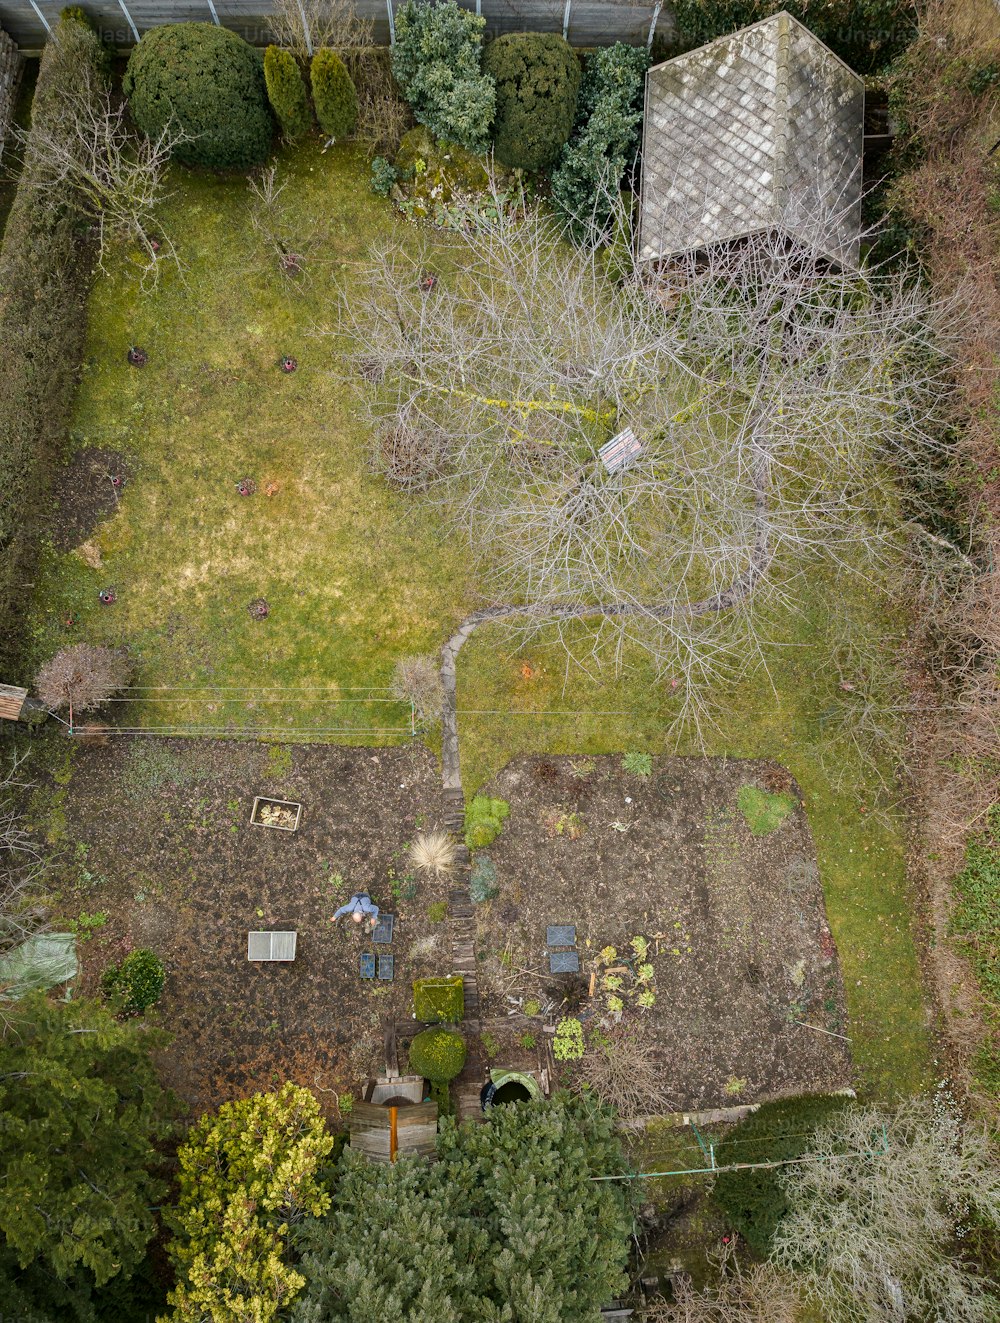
122	22
10	68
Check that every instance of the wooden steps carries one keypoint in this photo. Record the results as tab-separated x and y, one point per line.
462	925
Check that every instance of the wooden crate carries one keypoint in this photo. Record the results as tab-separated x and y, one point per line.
277	803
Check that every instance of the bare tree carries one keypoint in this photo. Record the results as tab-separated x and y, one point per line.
877	1208
767	402
23	869
757	1293
93	161
417	681
288	238
82	677
619	1066
303	26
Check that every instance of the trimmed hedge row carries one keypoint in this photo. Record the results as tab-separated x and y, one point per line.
44	278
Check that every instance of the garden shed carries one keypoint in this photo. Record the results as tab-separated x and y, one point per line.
760	130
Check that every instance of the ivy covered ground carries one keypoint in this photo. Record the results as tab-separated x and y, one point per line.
356	576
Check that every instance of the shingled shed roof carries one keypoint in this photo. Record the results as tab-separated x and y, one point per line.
756	131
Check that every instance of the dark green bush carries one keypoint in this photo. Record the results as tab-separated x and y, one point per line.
439	1000
537	79
209	82
43	288
753	1200
867	34
609	111
286	91
334	95
383	176
135	984
438	1055
436	61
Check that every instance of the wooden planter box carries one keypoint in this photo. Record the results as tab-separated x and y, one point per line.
286	814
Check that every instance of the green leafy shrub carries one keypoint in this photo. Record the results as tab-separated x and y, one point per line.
286	91
334	94
246	1174
209	82
537	79
637	764
439	1000
483	884
605	138
383	176
867	34
438	1055
753	1200
44	280
136	983
567	1045
484	819
764	812
436	61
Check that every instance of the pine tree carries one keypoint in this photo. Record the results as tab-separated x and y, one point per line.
507	1225
80	1113
334	94
286	91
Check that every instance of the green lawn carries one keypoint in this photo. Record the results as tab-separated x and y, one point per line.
357	576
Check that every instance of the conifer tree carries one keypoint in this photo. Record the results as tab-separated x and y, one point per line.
334	95
286	91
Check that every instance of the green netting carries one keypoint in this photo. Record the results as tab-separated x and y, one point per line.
41	962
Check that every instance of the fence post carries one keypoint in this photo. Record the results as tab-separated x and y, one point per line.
305	29
43	20
569	6
135	30
392	22
215	16
652	27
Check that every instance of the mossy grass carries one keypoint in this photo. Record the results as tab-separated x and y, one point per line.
763	812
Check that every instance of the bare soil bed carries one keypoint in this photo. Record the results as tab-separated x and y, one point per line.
167	851
744	968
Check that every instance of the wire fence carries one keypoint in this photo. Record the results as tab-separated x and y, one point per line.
122	22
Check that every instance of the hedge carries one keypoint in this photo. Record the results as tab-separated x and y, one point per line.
286	91
44	278
439	999
438	1055
210	82
334	94
753	1200
867	34
537	79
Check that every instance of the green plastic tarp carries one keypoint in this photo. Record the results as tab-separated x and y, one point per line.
41	962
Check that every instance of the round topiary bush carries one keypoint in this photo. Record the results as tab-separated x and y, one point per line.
286	91
537	80
753	1199
136	983
209	83
438	1055
334	94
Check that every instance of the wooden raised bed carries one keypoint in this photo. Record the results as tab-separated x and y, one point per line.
278	814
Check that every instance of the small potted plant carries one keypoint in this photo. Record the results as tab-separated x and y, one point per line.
259	609
288	363
137	357
246	487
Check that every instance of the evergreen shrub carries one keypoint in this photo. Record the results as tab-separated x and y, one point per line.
286	91
438	1055
606	135
483	884
537	79
436	61
334	94
208	81
134	985
753	1199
